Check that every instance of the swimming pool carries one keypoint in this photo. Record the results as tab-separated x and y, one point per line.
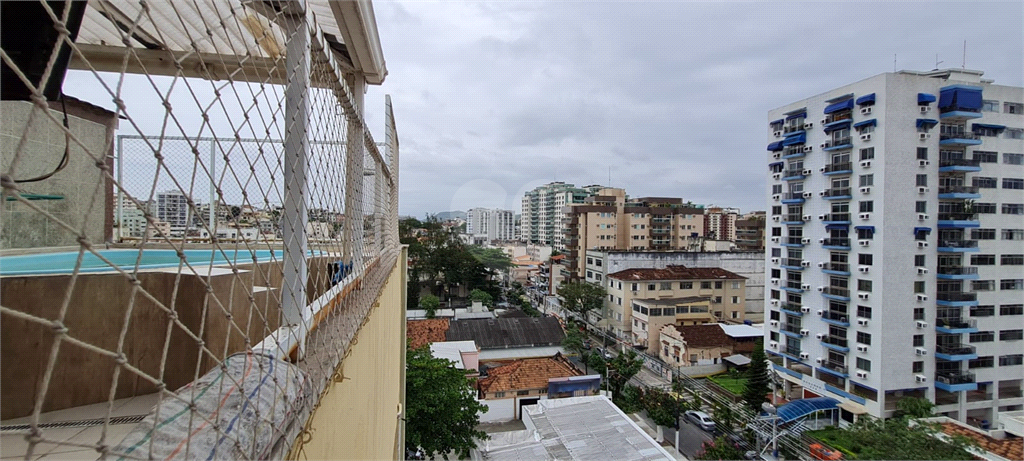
126	259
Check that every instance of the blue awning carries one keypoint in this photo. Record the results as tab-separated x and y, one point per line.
837	226
838	126
797	409
776	122
926	122
960	97
841	105
926	230
987	126
866	99
776	164
925	98
867	228
775	146
797	115
871	122
795	140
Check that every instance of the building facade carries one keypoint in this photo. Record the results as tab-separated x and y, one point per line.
541	220
720	223
172	207
895	243
490	224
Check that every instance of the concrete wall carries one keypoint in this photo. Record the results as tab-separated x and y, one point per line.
498	410
86	201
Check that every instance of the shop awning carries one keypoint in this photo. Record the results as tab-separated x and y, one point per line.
926	230
841	105
867	228
866	99
977	126
775	146
926	122
871	122
838	126
794	140
797	115
925	98
777	122
960	97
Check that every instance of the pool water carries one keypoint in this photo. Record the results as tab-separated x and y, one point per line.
126	259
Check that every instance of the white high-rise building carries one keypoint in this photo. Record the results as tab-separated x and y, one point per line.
490	224
542	221
172	207
896	244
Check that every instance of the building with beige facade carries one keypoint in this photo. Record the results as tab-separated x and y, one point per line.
720	223
610	220
723	290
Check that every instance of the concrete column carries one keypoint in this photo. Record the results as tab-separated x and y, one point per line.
354	149
296	158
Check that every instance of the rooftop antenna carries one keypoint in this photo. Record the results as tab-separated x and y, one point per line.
963	64
609	176
894	62
937	62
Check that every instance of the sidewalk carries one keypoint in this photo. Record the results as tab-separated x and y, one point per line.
649	427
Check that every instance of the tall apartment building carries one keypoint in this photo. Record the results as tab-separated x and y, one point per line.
490	224
542	216
750	233
720	223
896	253
610	220
172	207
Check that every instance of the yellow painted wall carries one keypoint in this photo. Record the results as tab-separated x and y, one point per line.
359	418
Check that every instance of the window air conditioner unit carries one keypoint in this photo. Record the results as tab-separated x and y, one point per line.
805	309
823	121
922	216
865	137
922	270
921	351
924	109
805	240
862	374
777	134
806	287
776	175
776	197
865	216
922	189
862	296
777	155
865	163
821	312
805	263
821	265
808	194
862	322
821	240
773	345
922	244
864	243
807	172
775	239
922	324
773	323
821	193
776	218
864	269
805	355
808	149
775	260
819	360
865	110
865	190
925	136
819	336
826	144
821	217
921	378
808	125
921	297
923	163
806	217
775	302
805	332
775	281
821	289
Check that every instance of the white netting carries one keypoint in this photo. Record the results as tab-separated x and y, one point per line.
208	248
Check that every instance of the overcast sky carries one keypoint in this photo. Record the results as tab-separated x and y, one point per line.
495	98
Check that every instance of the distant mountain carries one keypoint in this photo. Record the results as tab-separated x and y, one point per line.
446	215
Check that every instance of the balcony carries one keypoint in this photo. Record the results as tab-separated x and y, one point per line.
844	142
792	175
836	243
836	268
958	219
955	352
955	381
955	112
792	329
956	325
661	220
792	197
837	193
838	168
793	352
958	246
836	218
793	242
956	298
792	263
842	294
958	138
959	164
792	309
835	318
793	219
956	192
838	368
956	273
793	286
838	117
793	152
793	128
836	343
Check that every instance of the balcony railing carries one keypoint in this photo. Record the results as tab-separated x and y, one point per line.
793	262
957	135
838	267
957	270
792	328
837	217
792	128
791	307
838	367
661	220
841	141
794	284
955	296
837	291
954	377
794	240
841	166
792	217
793	350
838	116
958	216
836	341
791	173
836	242
959	162
835	316
792	195
958	190
837	192
956	323
792	150
958	243
955	349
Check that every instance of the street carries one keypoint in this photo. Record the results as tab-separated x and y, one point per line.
690	438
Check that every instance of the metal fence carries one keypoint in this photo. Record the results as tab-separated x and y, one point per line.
208	244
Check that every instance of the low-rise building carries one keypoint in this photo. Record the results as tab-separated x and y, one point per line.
651	315
506	386
705	344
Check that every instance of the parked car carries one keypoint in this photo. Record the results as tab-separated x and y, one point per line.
701	419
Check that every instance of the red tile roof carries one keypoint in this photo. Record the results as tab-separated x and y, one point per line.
423	332
1009	448
676	273
707	335
526	374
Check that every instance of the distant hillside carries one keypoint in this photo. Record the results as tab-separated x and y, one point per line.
445	215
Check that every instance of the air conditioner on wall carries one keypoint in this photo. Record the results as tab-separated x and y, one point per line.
921	378
777	155
923	163
805	332
921	351
821	289
922	324
862	322
808	149
819	360
922	216
805	355
826	144
823	121
924	136
821	217
865	163
821	193
805	240
777	134
776	197
863	295
821	312
864	243
776	218
773	345
775	282
922	270
808	125
821	265
865	137
806	217
862	348
865	110
805	309
775	239
924	109
776	175
922	244
862	374
922	189
775	260
775	302
805	263
819	336
865	190
808	194
807	172
865	216
821	240
773	323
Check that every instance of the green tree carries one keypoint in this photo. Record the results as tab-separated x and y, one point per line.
662	407
441	408
581	297
720	448
430	303
575	341
631	400
622	368
482	296
894	438
914	407
757	386
493	259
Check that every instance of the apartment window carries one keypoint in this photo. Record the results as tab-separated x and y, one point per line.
983	131
1013	208
776	273
867	206
919	260
775	315
776	232
597	262
865	234
983	285
1013	159
1011	309
918	340
985	208
717	300
735	285
982	311
776	252
590	275
1013	183
921	207
918	313
864	285
499	394
983	260
635	287
919	286
984	182
1011	335
867	180
705	285
718	285
735	299
922	153
1014	133
685	285
917	367
983	234
665	286
981	362
774	336
590	260
865	259
1013	108
922	180
651	287
867	153
776	188
989	106
984	156
1011	260
863	364
734	314
523	393
863	338
1011	284
864	312
1009	360
775	294
982	337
